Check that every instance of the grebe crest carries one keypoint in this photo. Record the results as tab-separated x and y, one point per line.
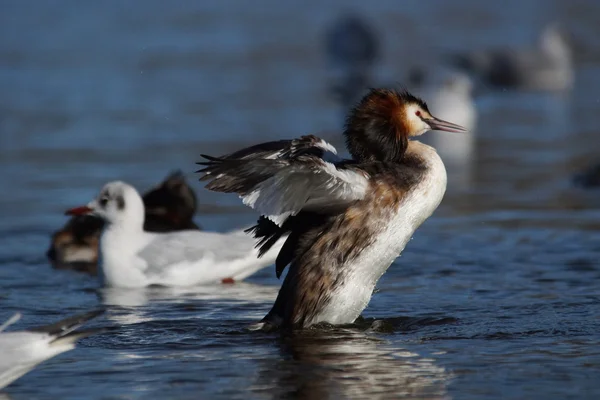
379	126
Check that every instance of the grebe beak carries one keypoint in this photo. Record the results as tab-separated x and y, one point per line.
441	125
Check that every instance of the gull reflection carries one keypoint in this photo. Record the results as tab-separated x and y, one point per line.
215	297
242	291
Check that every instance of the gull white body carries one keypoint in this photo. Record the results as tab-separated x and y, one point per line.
352	297
131	257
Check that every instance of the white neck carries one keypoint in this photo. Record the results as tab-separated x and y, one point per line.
426	152
119	244
127	223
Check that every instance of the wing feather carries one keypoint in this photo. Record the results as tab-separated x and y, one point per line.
292	176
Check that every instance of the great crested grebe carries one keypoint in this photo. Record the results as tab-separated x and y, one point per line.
133	257
347	220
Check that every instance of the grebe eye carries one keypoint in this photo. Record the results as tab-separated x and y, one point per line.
418	113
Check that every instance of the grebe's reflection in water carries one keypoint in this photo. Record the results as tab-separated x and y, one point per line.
345	363
176	326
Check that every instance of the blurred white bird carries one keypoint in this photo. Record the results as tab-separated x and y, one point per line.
21	351
548	66
449	96
132	257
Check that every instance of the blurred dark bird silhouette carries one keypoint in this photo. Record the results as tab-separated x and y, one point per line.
170	206
351	48
588	179
548	66
352	42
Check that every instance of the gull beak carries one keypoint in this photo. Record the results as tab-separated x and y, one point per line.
83	210
441	125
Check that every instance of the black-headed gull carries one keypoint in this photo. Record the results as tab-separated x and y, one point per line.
21	351
133	257
170	206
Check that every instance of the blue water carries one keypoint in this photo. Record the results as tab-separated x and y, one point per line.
497	295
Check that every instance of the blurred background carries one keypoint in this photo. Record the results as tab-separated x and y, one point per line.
93	91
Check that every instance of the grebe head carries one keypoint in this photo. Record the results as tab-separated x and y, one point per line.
379	127
117	203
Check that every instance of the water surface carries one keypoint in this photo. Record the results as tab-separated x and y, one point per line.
497	295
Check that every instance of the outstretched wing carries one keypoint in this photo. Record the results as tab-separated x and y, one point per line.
281	179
